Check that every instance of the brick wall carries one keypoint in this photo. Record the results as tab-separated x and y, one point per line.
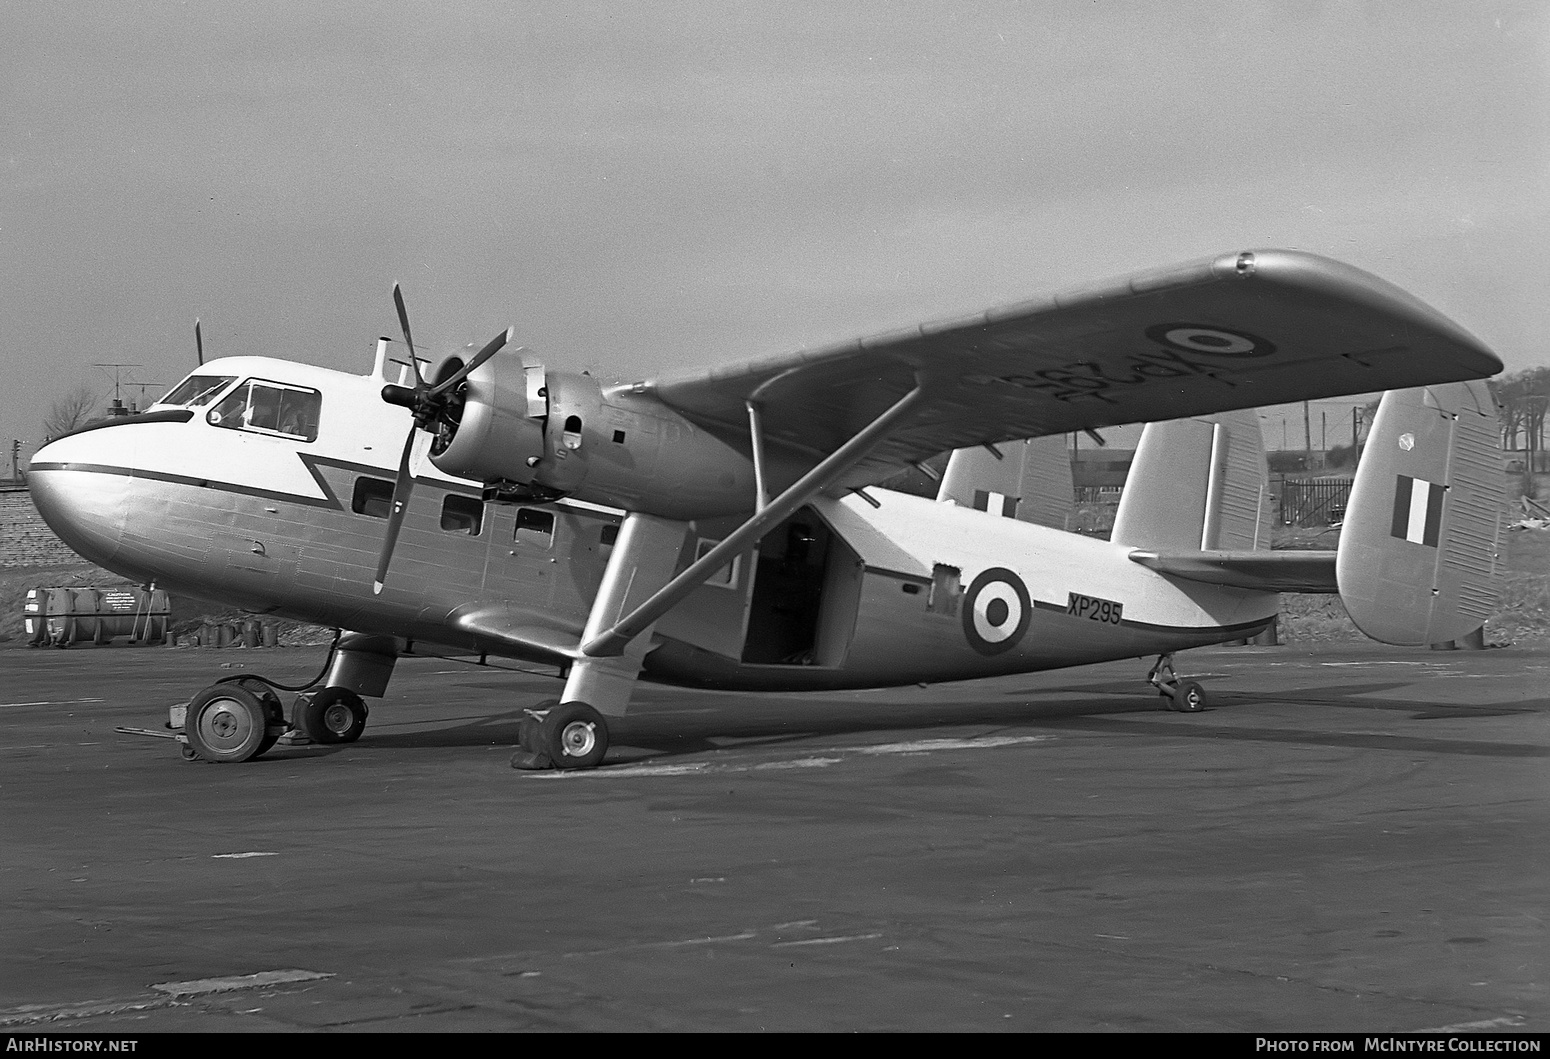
24	538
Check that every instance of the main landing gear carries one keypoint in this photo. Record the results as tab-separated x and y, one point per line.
233	721
1185	696
237	720
571	735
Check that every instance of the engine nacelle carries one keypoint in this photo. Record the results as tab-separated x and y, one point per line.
536	435
495	427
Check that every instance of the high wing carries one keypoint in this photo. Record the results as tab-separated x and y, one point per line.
1238	331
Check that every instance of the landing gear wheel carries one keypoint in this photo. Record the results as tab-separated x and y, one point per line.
1184	696
272	709
575	736
1189	697
332	716
227	723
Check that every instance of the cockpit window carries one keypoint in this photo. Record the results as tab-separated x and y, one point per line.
275	408
198	390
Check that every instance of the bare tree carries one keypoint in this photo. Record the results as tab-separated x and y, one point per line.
72	410
1524	396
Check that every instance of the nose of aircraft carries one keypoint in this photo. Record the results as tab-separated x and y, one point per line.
81	487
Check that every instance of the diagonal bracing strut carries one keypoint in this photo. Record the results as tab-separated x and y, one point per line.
613	640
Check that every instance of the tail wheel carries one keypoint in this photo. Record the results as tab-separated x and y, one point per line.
332	716
1189	697
575	736
227	723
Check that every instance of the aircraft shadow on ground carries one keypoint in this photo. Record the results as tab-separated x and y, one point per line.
667	725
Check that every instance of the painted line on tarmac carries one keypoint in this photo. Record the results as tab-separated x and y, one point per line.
711	768
720	939
825	941
203	986
927	746
1508	1022
60	702
171	993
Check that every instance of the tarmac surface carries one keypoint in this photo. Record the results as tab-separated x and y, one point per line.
1346	840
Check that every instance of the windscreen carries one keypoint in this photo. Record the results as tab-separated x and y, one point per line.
197	390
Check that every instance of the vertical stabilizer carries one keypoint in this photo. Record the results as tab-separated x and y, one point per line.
1197	484
1418	552
1026	480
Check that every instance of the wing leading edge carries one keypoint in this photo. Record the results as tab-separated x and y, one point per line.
1237	331
1260	571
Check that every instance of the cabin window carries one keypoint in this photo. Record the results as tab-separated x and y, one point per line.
726	577
197	390
274	408
534	527
610	535
945	590
462	514
373	497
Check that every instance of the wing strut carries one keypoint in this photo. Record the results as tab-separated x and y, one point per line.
842	459
761	490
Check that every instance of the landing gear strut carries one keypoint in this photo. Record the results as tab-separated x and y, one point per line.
1185	696
571	735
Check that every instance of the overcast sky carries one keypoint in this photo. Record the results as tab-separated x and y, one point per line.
642	187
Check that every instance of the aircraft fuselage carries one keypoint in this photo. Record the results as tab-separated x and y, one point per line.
874	590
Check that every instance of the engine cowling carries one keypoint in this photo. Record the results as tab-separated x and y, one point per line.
493	427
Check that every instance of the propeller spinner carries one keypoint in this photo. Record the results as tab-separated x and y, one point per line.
436	408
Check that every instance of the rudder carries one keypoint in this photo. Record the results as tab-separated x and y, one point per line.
1197	484
1418	552
1026	480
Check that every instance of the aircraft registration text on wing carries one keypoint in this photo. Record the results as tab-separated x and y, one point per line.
724	528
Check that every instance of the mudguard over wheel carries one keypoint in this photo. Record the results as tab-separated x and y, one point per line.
227	723
575	736
331	716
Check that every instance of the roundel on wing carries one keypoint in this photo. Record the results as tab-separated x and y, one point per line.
1212	341
996	610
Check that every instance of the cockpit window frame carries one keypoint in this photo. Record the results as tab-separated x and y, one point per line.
242	423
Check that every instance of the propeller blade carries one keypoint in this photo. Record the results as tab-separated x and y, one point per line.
490	349
199	343
402	488
403	322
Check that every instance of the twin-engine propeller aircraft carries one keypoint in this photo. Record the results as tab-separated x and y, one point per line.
724	528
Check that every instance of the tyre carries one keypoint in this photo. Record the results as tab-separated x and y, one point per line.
575	736
332	716
227	723
1190	697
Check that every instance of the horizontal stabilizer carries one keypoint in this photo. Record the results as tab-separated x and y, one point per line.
1261	571
1418	552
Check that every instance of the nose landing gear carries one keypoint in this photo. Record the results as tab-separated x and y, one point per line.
1185	696
331	716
